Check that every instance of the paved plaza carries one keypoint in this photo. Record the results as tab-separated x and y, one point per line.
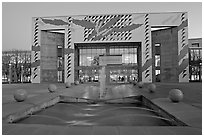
189	110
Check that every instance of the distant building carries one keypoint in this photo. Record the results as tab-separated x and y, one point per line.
195	43
195	59
153	47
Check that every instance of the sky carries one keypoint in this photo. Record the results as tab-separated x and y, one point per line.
17	16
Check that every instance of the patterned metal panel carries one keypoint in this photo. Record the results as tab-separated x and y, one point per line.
107	27
146	68
183	49
68	46
36	53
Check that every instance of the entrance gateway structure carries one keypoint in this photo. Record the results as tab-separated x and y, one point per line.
153	47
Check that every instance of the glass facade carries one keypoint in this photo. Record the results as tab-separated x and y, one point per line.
60	66
195	45
129	55
123	75
157	61
195	64
89	63
89	56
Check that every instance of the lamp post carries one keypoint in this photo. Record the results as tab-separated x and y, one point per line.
9	73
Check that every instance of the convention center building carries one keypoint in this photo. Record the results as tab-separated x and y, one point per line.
147	47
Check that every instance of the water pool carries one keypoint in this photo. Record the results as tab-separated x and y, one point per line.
98	114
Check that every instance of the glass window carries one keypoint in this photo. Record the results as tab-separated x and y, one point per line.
157	60
157	45
88	57
59	46
157	72
59	64
129	54
157	49
195	45
94	51
88	50
102	51
121	51
196	54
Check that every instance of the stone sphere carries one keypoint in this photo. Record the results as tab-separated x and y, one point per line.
20	95
152	87
52	88
140	84
175	95
76	82
67	84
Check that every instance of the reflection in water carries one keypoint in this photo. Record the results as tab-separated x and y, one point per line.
133	120
88	109
135	116
84	114
98	114
78	122
120	108
96	105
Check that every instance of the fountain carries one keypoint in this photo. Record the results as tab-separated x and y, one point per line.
102	80
101	106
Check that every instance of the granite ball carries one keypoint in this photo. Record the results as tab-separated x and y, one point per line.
67	84
152	88
52	88
20	95
175	95
140	84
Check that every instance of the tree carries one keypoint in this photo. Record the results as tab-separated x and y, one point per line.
20	61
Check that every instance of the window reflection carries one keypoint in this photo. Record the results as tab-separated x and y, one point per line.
129	54
196	54
157	60
89	56
123	75
195	64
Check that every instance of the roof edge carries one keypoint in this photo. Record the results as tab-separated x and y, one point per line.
109	14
